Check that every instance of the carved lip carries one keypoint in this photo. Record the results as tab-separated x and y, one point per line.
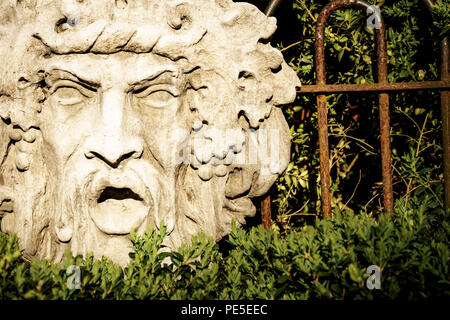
119	203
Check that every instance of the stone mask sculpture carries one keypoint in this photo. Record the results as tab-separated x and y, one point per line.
117	115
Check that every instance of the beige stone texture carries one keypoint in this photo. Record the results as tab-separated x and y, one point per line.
117	115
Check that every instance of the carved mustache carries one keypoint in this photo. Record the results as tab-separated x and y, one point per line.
91	186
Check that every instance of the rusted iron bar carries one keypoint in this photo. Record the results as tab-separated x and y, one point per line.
271	7
266	210
385	127
445	121
383	99
444	111
322	111
375	87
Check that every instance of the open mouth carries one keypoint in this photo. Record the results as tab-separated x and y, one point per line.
119	210
118	194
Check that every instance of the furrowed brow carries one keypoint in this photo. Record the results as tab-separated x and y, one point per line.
60	74
161	75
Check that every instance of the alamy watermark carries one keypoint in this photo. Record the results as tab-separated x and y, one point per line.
374	281
374	20
231	146
74	279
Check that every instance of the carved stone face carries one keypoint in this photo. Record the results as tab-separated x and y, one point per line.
109	133
112	122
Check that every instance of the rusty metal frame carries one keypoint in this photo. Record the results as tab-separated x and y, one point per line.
266	211
383	87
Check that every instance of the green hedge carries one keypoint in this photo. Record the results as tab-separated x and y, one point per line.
327	260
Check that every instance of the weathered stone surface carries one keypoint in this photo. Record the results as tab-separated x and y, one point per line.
117	115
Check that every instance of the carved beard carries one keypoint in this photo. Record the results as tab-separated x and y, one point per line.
202	206
58	214
93	208
55	209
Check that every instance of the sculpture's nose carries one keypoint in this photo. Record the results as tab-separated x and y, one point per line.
116	136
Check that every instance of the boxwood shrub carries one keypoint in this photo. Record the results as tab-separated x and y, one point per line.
325	260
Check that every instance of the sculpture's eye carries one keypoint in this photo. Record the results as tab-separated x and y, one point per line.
69	93
68	96
156	96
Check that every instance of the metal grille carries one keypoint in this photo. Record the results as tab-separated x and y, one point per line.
383	87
